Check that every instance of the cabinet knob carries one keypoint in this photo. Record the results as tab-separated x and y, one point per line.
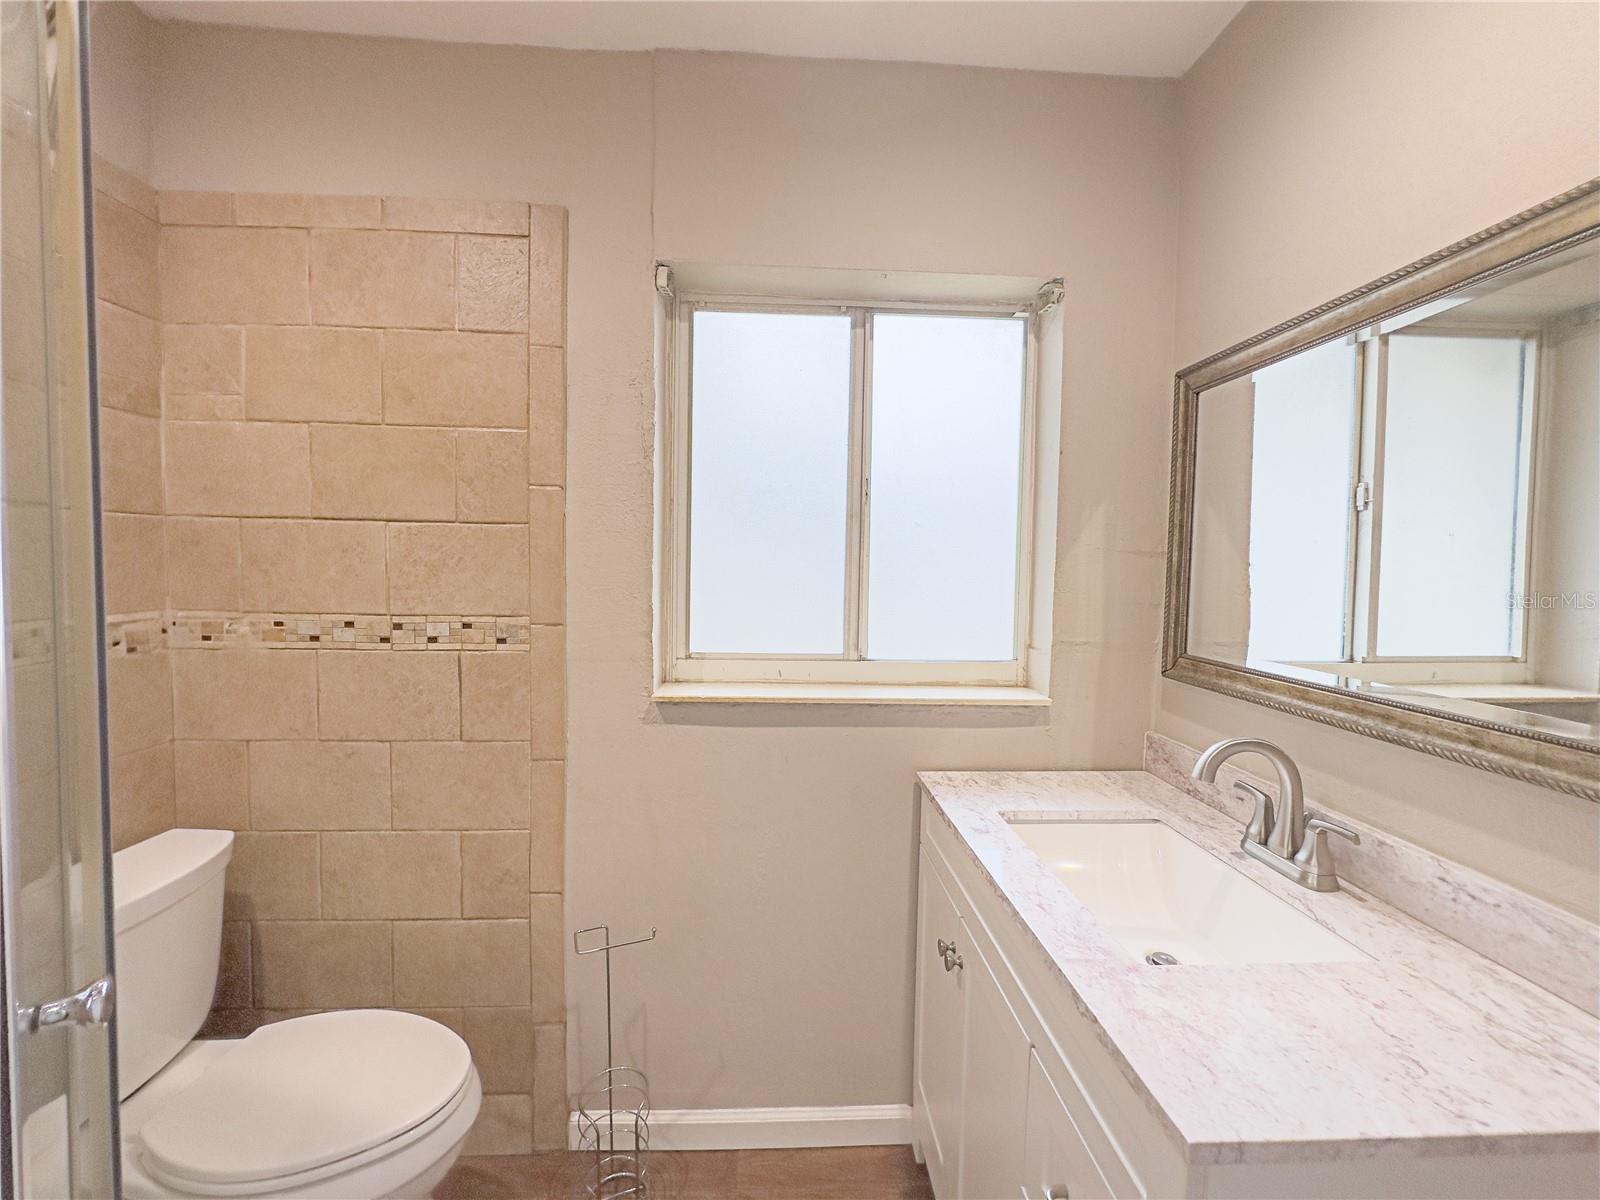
952	960
1059	1192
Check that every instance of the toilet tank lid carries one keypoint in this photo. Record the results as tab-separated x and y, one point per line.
158	872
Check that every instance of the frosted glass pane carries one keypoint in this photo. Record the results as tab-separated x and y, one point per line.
1301	474
946	444
770	450
1452	458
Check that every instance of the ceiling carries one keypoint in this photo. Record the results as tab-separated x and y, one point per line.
1120	37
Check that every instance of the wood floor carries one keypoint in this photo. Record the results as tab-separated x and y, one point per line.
843	1173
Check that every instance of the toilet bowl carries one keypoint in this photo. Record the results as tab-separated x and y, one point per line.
346	1105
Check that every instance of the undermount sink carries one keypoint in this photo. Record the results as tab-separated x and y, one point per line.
1159	894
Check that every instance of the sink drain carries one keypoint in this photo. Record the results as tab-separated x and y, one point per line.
1160	958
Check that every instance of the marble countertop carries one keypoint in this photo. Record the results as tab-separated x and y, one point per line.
1427	1048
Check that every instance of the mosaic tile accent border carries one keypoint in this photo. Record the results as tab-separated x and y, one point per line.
138	635
353	631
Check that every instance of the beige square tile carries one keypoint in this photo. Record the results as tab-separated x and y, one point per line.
319	785
324	964
495	697
396	473
456	216
234	987
345	212
273	877
238	469
550	1105
205	406
202	359
407	695
479	569
141	794
233	692
460	785
492	283
311	374
494	874
212	785
234	276
547	291
125	186
547	647
132	549
547	937
138	701
547	843
383	278
444	963
129	348
391	875
34	739
195	208
203	564
547	581
130	462
313	566
451	1018
478	379
270	208
504	1126
491	469
547	415
25	430
501	1041
125	257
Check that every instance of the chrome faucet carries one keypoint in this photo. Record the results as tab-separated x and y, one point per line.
1285	841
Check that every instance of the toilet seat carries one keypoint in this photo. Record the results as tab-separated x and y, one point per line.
305	1099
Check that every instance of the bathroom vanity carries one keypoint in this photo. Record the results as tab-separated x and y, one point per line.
1113	1001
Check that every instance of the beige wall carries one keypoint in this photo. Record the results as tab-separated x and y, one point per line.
774	847
757	839
1323	145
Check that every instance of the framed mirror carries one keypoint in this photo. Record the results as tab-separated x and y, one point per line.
1385	513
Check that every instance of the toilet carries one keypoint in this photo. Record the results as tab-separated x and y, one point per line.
346	1105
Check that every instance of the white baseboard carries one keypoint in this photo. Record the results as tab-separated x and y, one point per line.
773	1128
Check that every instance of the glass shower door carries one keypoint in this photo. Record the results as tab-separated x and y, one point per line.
58	1103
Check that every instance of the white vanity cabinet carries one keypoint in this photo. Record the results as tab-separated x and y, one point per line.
997	1111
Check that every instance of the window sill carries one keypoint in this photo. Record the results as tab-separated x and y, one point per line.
849	693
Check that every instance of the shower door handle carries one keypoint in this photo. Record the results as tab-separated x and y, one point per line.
91	1006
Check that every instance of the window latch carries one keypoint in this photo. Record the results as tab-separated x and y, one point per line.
1363	496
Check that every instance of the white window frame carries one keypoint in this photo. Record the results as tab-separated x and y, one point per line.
850	675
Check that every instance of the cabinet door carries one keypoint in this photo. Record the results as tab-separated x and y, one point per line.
994	1099
941	999
1057	1163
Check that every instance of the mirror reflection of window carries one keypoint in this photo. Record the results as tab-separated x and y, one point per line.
1453	500
1302	439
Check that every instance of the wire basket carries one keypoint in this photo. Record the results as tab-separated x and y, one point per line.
614	1106
614	1127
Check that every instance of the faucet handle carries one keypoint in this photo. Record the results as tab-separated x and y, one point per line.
1329	825
1261	820
1315	858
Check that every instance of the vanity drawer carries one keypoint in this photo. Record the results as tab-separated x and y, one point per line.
1056	1163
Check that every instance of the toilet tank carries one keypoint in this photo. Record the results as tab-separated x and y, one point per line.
167	898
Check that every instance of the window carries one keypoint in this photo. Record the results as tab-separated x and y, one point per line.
1388	473
848	489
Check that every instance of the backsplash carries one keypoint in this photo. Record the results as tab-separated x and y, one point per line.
1546	945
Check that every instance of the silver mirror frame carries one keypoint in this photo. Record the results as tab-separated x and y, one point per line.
1545	759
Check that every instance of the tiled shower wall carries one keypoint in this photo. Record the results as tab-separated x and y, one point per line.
132	500
362	427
